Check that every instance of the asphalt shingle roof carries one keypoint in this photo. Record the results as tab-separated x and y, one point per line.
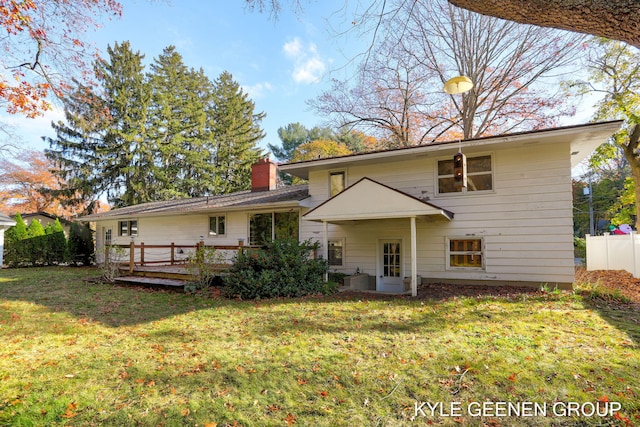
246	198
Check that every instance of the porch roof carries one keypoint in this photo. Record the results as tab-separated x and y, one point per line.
369	199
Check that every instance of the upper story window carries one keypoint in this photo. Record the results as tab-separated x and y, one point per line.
217	225
128	228
479	175
337	182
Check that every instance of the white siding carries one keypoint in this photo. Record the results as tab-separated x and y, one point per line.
179	229
526	222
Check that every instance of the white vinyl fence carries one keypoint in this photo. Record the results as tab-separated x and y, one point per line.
614	252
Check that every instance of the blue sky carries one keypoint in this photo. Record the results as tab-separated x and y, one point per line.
279	63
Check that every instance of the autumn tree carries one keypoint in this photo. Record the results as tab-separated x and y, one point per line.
26	184
614	73
399	87
42	48
388	98
319	149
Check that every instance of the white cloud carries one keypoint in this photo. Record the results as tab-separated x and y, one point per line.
258	90
308	65
293	48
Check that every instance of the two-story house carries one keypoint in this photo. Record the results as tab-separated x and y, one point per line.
398	215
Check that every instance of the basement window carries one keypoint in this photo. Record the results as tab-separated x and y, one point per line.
467	253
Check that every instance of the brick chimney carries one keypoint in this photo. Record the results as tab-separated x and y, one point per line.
264	175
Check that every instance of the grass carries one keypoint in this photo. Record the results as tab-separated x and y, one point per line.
78	353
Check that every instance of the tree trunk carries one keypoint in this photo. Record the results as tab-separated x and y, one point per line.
613	19
634	163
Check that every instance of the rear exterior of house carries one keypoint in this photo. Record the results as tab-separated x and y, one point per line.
395	216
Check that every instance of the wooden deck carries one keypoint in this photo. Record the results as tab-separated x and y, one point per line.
174	276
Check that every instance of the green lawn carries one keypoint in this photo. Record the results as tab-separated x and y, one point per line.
84	354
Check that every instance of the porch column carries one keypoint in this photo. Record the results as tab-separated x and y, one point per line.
414	259
325	246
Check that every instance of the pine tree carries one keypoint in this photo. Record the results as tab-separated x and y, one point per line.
102	147
177	120
235	129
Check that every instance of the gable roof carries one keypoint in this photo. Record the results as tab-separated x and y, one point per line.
369	199
46	215
583	139
284	196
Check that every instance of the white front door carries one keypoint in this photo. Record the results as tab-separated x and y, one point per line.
390	274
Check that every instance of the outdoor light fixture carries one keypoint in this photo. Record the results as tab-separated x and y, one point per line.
458	84
454	86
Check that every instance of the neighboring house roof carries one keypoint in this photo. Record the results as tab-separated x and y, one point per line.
287	195
583	140
6	221
369	199
44	214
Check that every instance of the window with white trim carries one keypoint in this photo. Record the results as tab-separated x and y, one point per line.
128	228
335	252
217	225
337	182
467	252
479	175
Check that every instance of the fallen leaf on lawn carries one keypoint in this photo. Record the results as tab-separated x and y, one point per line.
290	419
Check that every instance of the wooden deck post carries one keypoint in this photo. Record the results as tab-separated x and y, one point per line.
132	256
173	253
141	253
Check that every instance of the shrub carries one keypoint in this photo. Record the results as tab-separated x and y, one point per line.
113	256
202	264
80	245
580	247
56	243
282	268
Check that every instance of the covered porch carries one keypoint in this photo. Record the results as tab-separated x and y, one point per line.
370	201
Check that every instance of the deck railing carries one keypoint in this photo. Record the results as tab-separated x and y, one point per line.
171	254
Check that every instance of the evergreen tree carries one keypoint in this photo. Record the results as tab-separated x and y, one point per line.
17	232
292	136
235	129
35	229
36	246
56	243
177	127
14	248
102	147
80	245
